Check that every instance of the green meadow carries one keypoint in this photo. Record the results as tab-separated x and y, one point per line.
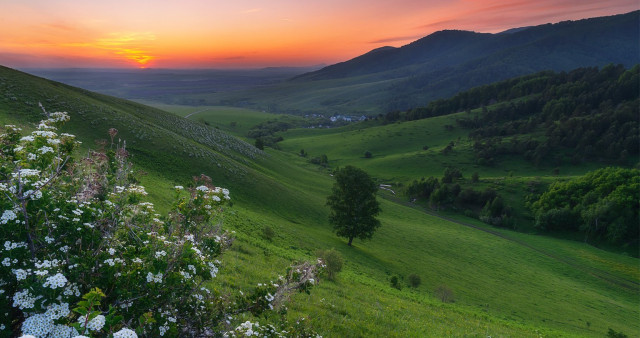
503	283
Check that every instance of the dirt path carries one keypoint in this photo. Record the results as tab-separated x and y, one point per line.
595	272
195	112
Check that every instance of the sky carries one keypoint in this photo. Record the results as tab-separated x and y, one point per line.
251	33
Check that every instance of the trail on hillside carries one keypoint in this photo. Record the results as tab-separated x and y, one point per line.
595	272
196	112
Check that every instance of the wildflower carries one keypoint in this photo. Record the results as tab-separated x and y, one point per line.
7	215
57	311
45	149
64	331
20	274
23	300
94	324
125	333
154	278
38	325
56	281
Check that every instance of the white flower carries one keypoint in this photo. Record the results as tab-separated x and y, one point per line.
94	324
125	333
64	331
213	270
56	281
20	274
160	254
23	300
57	311
45	149
111	251
7	215
202	188
154	278
179	187
37	325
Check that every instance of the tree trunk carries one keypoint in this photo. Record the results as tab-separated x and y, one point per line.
350	240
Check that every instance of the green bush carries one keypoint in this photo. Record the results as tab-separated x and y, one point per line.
333	262
414	280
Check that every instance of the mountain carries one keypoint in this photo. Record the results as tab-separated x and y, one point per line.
446	62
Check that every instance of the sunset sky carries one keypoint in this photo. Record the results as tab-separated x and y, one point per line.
251	33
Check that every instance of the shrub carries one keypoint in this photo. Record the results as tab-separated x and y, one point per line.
368	154
333	262
268	233
445	294
414	280
395	282
84	253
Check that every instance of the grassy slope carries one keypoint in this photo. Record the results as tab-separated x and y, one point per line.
219	116
502	288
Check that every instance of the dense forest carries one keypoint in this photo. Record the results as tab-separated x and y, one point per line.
589	113
602	205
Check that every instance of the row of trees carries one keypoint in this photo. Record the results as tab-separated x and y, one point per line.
448	193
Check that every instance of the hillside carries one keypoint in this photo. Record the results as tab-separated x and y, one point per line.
503	283
447	62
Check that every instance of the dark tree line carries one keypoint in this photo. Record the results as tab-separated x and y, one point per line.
593	112
452	192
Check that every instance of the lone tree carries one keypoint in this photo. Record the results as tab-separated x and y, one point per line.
353	204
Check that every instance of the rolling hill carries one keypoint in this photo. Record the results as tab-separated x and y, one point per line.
446	62
505	283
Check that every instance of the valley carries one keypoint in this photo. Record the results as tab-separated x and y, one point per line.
516	278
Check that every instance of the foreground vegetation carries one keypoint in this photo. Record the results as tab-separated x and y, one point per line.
475	280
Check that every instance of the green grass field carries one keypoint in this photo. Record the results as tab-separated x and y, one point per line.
505	283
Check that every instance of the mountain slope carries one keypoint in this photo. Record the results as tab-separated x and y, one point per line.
167	147
446	62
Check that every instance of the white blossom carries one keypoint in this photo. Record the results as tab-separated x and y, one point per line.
56	281
125	333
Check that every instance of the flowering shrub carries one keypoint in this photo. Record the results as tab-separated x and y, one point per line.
82	253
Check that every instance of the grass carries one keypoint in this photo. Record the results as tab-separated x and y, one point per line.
235	121
505	285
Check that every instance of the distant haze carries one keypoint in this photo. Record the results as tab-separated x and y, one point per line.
258	33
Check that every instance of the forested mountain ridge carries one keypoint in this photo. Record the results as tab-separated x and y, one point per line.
446	62
593	112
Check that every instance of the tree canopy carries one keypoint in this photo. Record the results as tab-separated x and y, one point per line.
353	204
602	204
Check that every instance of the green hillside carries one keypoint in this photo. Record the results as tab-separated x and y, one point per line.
503	283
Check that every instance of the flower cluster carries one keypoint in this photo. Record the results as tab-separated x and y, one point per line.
71	228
